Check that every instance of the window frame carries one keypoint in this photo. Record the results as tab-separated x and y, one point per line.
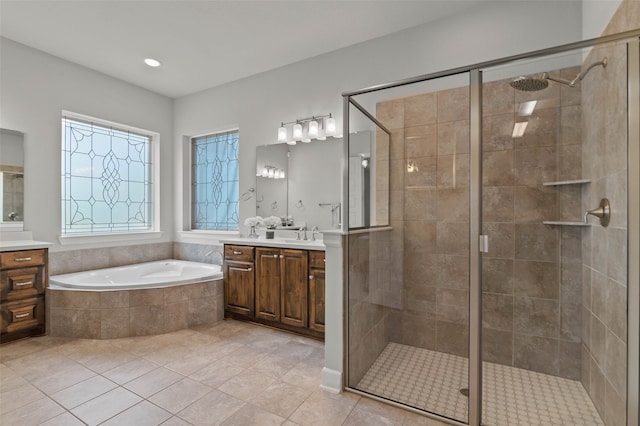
153	231
190	232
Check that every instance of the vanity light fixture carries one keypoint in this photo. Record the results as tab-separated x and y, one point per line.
330	126
271	172
282	133
313	129
303	130
154	63
297	131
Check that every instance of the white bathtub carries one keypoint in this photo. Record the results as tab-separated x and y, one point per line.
162	273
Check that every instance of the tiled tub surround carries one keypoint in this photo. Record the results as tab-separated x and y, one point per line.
124	313
113	314
64	262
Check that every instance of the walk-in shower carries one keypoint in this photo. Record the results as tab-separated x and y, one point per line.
479	293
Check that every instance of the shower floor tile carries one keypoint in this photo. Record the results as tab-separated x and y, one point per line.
431	381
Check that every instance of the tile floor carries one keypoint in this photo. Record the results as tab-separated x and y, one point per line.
231	373
432	381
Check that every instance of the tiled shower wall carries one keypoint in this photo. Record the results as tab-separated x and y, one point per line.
531	274
532	286
604	161
371	300
429	215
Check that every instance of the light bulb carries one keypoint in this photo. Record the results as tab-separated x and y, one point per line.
330	125
282	174
313	129
271	173
297	131
282	134
265	172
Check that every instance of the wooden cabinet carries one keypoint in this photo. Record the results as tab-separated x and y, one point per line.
268	278
316	290
295	289
23	280
239	280
279	286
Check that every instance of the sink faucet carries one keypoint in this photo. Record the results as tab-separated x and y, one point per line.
314	231
302	229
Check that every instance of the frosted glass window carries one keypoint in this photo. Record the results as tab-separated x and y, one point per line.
106	179
214	194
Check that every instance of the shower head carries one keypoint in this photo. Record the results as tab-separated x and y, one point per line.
530	84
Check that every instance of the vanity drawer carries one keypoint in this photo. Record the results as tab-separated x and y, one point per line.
21	283
18	259
239	253
316	259
22	315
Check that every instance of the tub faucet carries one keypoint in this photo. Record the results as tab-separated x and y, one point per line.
302	229
215	252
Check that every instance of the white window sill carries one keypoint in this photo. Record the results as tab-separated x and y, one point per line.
204	237
108	238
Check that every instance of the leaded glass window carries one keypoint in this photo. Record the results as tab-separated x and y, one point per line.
214	200
106	179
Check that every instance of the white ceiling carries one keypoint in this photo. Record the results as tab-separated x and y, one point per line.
202	44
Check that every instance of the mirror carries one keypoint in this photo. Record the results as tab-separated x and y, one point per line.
309	192
11	178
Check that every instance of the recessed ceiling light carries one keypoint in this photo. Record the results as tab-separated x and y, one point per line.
152	62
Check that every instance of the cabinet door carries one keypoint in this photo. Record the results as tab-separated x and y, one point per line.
316	299
239	288
268	283
294	296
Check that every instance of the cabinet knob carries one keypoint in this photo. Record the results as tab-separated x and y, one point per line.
237	252
275	256
22	259
311	277
24	283
282	256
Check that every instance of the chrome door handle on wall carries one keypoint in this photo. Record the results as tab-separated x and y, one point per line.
603	211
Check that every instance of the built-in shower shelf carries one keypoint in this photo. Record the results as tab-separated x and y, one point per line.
567	182
564	223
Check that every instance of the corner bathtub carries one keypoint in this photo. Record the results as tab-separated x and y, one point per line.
135	300
162	273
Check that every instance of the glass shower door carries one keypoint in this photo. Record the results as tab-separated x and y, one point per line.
408	277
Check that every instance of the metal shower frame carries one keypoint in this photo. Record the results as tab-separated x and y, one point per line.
475	211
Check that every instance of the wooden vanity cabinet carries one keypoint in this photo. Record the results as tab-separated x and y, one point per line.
23	281
316	290
295	288
268	278
239	280
282	291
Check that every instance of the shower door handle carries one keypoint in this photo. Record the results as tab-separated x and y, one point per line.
484	244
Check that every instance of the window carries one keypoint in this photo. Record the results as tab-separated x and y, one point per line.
214	192
107	175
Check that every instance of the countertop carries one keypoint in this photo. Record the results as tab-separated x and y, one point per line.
23	245
277	242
